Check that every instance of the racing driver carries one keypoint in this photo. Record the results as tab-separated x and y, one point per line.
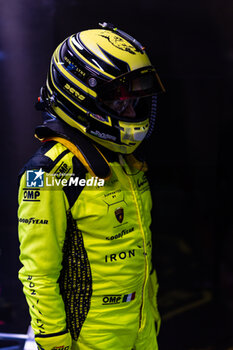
84	199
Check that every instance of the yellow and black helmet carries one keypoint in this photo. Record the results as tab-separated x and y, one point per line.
97	75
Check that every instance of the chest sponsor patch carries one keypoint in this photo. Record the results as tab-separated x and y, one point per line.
120	234
33	221
114	299
119	213
129	254
31	195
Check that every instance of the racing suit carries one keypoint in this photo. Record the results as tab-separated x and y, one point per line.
86	252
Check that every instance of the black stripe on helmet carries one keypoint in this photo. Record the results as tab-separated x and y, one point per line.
98	62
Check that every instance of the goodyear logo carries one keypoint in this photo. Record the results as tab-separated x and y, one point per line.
33	221
121	234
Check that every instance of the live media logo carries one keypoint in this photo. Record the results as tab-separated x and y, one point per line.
35	178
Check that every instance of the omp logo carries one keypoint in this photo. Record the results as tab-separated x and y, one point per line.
117	299
74	92
111	299
62	171
35	178
33	221
120	256
31	196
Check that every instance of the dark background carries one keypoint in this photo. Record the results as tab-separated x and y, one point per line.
190	154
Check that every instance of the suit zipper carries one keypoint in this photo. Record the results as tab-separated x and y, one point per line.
144	251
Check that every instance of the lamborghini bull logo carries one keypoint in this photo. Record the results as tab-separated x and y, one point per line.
119	213
120	43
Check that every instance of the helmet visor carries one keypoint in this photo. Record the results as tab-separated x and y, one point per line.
138	83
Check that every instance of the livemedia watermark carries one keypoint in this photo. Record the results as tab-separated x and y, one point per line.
41	179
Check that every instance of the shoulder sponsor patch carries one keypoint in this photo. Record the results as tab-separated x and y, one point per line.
31	195
142	183
62	171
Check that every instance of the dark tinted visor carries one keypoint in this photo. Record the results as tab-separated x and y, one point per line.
138	83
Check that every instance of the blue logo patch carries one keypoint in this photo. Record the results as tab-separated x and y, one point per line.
35	178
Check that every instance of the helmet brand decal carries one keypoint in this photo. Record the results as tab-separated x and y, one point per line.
92	82
119	213
74	92
102	135
120	43
99	117
73	67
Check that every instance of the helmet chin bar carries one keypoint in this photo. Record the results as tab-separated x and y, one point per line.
133	132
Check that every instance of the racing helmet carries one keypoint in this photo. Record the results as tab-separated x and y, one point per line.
101	82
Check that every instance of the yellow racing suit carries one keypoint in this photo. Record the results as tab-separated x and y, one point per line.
86	253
